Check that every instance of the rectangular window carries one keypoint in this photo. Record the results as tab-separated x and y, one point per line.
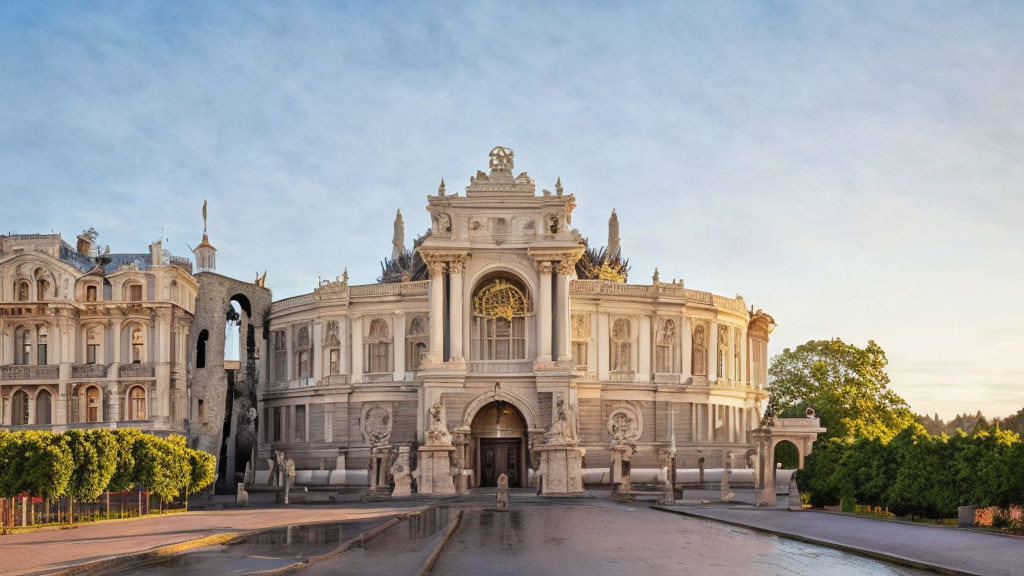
303	364
300	423
277	424
90	293
265	423
136	292
41	354
26	352
663	360
91	351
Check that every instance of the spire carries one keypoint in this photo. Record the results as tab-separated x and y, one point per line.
206	254
558	186
398	240
440	189
613	234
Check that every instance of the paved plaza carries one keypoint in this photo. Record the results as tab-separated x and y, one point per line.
592	536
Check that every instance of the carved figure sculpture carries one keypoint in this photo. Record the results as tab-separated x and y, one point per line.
438	433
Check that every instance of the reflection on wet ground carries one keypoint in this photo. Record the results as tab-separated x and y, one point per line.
400	550
620	539
266	550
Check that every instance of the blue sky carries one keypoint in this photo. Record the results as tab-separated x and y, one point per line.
855	170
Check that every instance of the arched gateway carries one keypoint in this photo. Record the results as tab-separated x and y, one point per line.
498	445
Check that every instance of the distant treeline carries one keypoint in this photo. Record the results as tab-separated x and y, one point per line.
971	423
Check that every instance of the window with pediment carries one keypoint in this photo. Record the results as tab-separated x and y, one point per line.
302	352
280	345
378	347
665	357
500	308
621	346
416	342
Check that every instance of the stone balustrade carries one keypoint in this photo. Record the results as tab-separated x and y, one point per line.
27	372
91	371
136	371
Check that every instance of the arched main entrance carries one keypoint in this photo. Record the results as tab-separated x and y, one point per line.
498	440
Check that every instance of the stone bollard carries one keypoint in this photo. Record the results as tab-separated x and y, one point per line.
502	495
241	497
965	516
796	503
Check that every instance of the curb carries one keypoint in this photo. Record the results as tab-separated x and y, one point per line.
891	558
428	565
138	558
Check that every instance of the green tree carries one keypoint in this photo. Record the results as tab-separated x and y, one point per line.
202	471
90	476
163	465
821	476
847	386
125	476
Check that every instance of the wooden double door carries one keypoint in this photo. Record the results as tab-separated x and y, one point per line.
501	456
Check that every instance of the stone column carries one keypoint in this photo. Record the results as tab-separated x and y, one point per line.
603	358
31	409
116	356
713	352
644	365
317	356
344	351
455	309
710	422
730	417
115	404
357	349
398	348
563	349
686	339
693	421
289	350
435	352
544	313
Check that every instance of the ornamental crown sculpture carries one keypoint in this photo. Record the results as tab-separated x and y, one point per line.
501	159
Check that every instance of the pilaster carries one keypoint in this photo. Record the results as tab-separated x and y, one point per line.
544	312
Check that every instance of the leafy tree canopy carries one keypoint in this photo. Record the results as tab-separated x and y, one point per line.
847	386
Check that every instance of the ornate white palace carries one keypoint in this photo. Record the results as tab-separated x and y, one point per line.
500	344
90	338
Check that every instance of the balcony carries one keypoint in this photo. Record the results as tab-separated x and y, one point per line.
28	372
90	371
334	380
500	367
136	371
622	376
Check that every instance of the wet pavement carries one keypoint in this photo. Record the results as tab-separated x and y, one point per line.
401	549
598	538
268	550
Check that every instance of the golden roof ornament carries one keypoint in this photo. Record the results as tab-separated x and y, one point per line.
501	159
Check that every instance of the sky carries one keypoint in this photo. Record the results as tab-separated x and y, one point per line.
854	169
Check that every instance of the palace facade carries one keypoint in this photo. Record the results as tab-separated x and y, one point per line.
499	337
93	339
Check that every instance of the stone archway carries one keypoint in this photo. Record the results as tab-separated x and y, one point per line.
801	432
498	445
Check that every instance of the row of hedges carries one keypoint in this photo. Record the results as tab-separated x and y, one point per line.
83	464
918	474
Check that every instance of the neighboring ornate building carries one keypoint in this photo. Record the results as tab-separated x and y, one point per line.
93	339
486	353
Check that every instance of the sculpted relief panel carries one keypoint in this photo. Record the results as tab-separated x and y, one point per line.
624	423
375	422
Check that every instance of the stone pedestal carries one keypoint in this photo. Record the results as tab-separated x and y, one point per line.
502	494
402	474
380	464
621	453
561	469
965	516
434	475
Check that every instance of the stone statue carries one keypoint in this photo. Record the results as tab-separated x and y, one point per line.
282	473
657	277
559	433
437	434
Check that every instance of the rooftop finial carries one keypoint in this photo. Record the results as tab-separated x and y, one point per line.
204	216
501	159
398	240
613	234
558	186
440	189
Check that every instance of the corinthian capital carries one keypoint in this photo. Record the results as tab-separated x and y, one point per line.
544	266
